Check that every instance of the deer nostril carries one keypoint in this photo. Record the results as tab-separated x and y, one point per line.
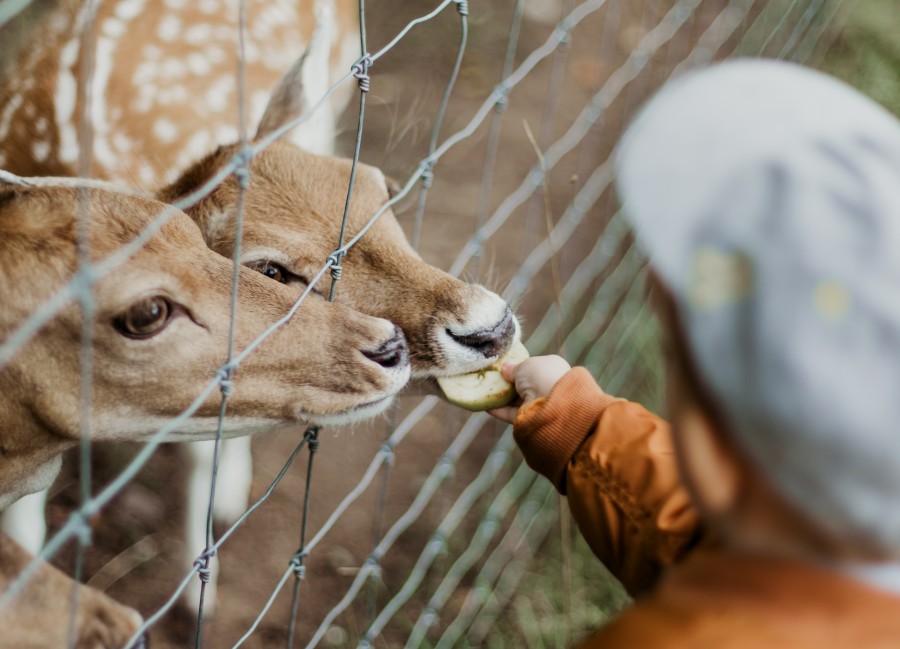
392	353
488	342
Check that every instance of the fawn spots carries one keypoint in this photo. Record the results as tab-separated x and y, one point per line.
40	150
165	129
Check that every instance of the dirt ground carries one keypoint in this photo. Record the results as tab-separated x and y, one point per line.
136	555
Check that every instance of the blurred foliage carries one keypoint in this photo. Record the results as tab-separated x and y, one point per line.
537	615
865	51
860	46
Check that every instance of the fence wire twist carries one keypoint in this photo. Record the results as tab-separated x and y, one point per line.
599	311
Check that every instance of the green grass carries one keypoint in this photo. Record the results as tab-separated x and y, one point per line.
536	617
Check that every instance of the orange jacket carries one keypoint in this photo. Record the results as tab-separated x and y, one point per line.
615	463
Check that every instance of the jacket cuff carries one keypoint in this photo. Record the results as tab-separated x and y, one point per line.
550	430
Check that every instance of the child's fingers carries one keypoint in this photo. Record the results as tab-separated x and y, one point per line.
508	370
507	413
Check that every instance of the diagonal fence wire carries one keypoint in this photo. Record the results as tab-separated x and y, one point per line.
438	475
617	81
496	461
77	524
619	379
371	566
613	382
490	524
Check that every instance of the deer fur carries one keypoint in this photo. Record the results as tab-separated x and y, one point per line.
326	365
39	617
293	206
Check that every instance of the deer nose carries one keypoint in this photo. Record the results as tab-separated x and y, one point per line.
489	342
392	353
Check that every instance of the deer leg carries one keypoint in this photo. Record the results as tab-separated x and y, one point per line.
25	521
201	455
235	479
233	482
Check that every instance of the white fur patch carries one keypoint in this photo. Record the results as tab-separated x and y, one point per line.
169	28
102	71
198	145
209	6
197	34
113	28
15	102
151	52
214	54
172	68
129	9
217	220
165	129
351	416
218	96
64	102
124	145
25	522
40	150
147	177
198	64
172	95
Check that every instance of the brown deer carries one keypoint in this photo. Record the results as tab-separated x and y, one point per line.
160	331
296	195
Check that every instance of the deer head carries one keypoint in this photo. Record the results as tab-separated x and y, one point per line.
160	331
291	222
296	198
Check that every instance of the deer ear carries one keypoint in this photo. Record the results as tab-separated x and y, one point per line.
393	186
288	99
8	179
307	79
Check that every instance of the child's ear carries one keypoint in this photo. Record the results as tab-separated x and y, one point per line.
710	468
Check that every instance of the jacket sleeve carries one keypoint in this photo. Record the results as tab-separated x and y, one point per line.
615	462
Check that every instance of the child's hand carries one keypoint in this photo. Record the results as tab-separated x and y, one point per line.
533	378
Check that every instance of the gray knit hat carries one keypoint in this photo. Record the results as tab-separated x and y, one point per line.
768	199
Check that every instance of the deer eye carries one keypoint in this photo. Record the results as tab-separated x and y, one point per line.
145	318
271	270
277	272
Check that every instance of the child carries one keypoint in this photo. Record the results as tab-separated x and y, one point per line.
767	197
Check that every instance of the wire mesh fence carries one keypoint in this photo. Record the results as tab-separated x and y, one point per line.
437	521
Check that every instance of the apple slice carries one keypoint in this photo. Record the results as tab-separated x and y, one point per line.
485	389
